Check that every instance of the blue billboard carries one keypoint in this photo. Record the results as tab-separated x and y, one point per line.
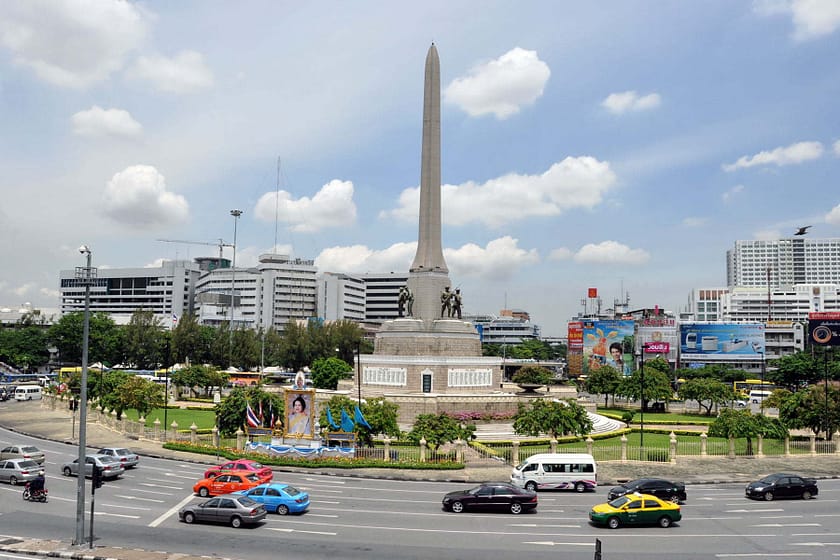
721	341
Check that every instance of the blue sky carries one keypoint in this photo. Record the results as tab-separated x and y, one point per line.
619	145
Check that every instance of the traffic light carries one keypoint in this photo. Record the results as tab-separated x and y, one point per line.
97	477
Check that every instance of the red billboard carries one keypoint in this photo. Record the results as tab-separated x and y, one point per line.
575	335
657	347
593	292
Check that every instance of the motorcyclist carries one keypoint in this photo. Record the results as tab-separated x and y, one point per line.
37	485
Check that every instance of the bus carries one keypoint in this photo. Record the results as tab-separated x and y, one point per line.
743	388
15	379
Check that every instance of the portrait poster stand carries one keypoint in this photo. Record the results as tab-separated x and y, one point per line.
299	419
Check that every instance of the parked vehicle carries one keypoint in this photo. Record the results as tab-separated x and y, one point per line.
111	468
782	485
226	483
281	499
659	487
491	497
635	509
127	458
230	509
556	471
28	393
23	452
240	465
15	471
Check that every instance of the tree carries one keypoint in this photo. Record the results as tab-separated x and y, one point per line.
552	417
436	429
206	377
707	392
327	372
807	409
24	345
230	413
138	394
533	375
794	371
145	344
657	383
604	381
104	342
744	424
379	413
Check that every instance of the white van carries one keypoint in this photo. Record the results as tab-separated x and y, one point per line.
28	393
756	397
561	471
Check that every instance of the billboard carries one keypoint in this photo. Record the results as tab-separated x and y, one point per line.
608	343
574	355
721	341
824	328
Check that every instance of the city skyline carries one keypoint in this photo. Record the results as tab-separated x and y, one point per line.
624	147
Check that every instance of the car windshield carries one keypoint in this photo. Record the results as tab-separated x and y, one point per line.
246	501
474	491
256	465
29	449
253	478
618	502
28	465
107	459
122	452
291	490
768	479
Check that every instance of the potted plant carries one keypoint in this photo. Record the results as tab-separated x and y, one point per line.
529	378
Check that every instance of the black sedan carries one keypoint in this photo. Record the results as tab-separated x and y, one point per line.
491	497
659	487
782	485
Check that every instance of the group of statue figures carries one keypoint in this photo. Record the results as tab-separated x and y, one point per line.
450	303
406	302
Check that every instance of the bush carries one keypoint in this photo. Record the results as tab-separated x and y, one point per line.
533	375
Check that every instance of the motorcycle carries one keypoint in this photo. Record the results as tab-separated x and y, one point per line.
34	495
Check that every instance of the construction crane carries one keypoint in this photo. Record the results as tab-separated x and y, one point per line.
221	244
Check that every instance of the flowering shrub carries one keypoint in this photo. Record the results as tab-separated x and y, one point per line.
483	416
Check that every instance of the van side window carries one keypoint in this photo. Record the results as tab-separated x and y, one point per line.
587	467
530	467
575	467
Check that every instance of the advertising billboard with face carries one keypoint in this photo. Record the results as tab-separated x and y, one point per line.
721	341
608	343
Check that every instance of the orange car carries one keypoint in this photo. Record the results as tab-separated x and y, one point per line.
226	483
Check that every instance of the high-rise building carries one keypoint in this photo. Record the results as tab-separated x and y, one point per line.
166	290
341	296
382	294
783	262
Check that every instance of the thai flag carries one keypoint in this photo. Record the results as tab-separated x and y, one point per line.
174	319
271	414
250	417
262	418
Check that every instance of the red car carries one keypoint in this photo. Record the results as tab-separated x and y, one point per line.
247	466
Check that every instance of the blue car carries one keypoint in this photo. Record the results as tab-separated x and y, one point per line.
281	499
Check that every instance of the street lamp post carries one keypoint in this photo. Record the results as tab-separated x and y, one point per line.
235	214
763	371
825	368
642	398
359	370
86	276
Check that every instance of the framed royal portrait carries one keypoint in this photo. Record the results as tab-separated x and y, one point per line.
300	413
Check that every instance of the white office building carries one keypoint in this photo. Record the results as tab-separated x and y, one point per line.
382	294
166	290
341	297
504	329
783	262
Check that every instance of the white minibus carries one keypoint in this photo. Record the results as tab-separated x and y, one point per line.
28	393
569	471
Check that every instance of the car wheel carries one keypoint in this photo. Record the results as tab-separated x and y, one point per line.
580	487
458	507
67	471
806	495
674	499
13	480
664	521
236	522
516	508
189	517
203	492
532	486
613	523
282	509
768	496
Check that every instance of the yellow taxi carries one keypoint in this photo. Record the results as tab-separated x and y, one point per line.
635	509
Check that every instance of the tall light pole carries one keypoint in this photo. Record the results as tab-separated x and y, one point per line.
85	275
642	396
235	214
763	370
359	370
827	420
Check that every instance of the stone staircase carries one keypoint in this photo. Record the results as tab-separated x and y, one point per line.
495	432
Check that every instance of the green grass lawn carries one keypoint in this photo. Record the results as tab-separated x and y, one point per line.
668	417
204	419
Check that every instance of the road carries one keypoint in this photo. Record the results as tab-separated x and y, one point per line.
364	518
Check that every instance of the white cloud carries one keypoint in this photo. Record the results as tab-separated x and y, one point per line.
694	221
619	103
502	86
811	18
787	155
768	235
837	148
24	289
611	252
833	217
332	206
137	197
500	259
97	121
560	254
360	259
185	73
71	43
731	193
575	182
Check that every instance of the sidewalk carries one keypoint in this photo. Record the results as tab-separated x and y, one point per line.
44	422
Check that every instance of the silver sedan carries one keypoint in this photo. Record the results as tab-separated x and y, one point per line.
111	468
15	471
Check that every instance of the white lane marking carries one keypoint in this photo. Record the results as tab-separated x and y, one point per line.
815	544
161	486
105	513
174	509
302	531
752	510
138	498
6	555
127	507
327	502
552	543
765	555
327	481
153	492
780	516
310	514
543	525
788	525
